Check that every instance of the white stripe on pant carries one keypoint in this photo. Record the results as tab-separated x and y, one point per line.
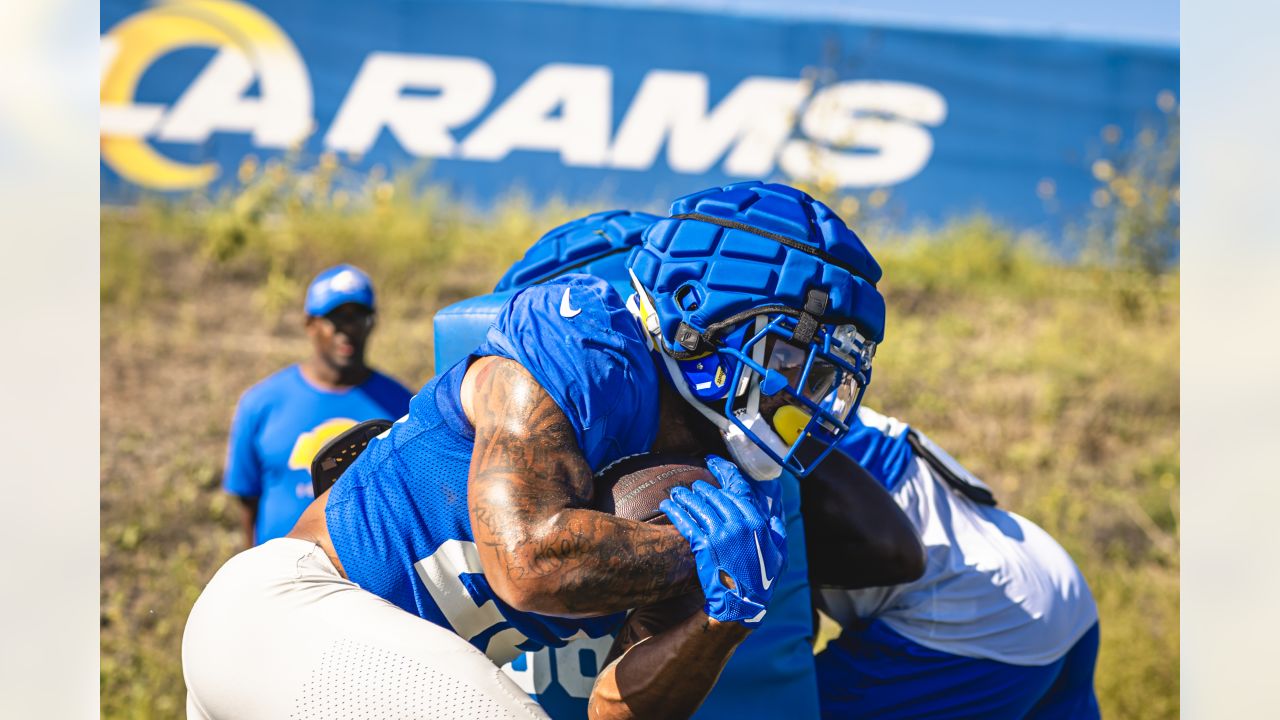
279	634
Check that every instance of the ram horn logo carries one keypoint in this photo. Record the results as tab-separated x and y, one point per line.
249	45
309	443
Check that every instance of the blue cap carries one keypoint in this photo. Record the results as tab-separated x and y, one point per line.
336	286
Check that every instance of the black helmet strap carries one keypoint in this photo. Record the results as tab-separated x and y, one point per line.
694	344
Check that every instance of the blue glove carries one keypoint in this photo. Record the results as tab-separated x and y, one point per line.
768	493
739	547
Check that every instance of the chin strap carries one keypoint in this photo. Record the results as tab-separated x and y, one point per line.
748	456
753	460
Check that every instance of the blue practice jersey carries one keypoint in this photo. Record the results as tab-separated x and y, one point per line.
398	517
280	424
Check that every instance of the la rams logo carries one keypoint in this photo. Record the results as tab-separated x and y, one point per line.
310	442
345	282
249	48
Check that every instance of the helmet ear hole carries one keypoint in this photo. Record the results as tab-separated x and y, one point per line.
688	297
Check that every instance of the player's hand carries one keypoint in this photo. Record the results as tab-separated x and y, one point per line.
767	493
739	550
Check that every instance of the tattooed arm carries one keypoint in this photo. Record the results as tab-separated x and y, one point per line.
527	493
664	662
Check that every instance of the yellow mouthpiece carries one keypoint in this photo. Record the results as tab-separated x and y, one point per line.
789	421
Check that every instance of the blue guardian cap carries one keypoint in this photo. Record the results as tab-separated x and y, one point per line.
752	294
762	302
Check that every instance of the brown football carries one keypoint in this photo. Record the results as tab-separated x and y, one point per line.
634	486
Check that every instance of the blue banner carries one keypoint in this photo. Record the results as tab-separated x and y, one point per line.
616	106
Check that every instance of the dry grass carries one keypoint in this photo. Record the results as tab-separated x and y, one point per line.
1058	385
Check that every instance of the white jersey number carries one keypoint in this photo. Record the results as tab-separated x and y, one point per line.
442	573
564	664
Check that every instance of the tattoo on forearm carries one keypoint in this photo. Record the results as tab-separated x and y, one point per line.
528	490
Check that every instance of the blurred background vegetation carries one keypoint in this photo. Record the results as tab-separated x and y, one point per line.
1055	381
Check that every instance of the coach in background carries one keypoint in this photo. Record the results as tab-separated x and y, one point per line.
1001	624
283	420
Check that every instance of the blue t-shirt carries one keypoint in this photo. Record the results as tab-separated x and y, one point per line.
398	518
280	424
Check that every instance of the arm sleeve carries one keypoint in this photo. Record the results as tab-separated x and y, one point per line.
243	472
577	338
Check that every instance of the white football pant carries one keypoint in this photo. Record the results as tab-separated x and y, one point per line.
278	634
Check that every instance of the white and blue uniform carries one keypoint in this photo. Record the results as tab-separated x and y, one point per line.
415	629
1000	625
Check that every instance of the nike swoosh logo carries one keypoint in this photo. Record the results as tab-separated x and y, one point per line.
764	576
566	310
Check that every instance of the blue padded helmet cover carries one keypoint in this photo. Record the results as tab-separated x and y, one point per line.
734	249
596	245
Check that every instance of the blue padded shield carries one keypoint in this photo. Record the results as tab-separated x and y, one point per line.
461	327
725	252
595	245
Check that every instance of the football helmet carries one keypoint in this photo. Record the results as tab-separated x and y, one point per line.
763	308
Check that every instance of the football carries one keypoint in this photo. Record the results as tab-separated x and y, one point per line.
634	486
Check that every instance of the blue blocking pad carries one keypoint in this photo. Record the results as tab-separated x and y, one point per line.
461	327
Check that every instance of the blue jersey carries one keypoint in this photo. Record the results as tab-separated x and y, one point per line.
398	517
280	424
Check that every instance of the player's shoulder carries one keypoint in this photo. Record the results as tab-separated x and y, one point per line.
575	326
580	342
588	290
879	444
883	424
574	305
